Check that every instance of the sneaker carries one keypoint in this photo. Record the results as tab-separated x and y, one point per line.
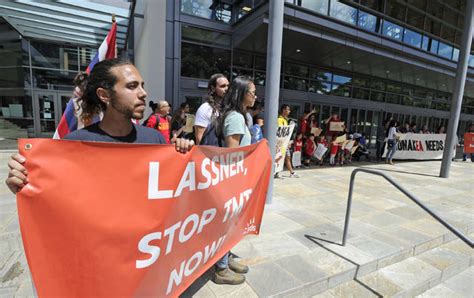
235	266
227	277
278	176
294	175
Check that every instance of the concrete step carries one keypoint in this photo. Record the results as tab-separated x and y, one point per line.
413	276
461	285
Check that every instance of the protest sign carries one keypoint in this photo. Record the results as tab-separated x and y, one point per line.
316	131
284	133
469	142
189	127
354	149
320	151
296	159
419	146
341	139
336	126
135	220
349	144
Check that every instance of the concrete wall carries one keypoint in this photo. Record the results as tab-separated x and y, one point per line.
150	47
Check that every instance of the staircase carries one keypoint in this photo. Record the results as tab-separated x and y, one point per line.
9	130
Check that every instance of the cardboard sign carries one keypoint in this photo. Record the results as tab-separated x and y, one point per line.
320	151
135	220
341	139
284	133
354	149
336	126
189	127
316	131
296	159
469	142
348	144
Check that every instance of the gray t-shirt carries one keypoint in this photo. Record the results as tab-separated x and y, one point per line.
234	124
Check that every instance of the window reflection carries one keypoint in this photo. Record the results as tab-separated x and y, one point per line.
412	38
367	21
320	6
201	62
207	9
445	50
392	30
343	12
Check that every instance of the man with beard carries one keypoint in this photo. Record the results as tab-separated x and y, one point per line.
116	88
216	89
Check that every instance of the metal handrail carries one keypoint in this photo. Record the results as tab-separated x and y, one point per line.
408	194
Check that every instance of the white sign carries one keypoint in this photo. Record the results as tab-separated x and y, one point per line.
320	151
283	139
419	146
296	159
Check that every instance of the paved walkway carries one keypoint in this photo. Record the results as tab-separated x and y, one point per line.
294	249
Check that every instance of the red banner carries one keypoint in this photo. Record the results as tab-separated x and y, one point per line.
105	219
469	142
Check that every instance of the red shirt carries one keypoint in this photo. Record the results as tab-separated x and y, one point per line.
324	142
310	147
163	126
306	126
334	148
298	144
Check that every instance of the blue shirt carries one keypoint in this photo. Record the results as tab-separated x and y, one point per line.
234	124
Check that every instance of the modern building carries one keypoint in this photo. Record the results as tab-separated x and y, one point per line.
365	60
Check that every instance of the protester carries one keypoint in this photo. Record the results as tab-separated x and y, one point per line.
334	118
285	111
178	123
406	128
309	149
114	87
391	141
308	122
425	130
413	128
441	129
334	150
216	89
322	141
159	119
470	129
233	127
298	144
256	129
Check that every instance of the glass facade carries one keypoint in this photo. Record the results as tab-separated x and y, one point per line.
35	83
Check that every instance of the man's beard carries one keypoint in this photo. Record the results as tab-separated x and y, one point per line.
123	109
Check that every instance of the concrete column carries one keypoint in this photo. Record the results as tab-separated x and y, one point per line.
458	90
272	82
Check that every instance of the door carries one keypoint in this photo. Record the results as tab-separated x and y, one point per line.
51	106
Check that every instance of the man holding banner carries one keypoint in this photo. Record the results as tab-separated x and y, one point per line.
284	128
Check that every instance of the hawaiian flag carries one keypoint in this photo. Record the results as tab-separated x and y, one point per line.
107	50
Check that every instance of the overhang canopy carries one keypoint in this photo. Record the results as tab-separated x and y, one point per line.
85	22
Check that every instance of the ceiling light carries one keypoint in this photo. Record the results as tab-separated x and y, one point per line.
348	62
246	8
298	50
387	71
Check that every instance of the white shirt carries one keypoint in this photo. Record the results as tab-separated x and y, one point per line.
203	115
391	133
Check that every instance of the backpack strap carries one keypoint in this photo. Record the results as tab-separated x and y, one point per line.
157	121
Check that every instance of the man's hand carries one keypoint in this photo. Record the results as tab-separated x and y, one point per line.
17	176
183	145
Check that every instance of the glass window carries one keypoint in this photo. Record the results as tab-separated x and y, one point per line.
202	8
259	78
11	52
13	77
53	79
367	21
205	37
85	57
241	72
296	69
343	12
445	50
321	87
293	83
434	46
261	62
242	59
54	56
374	4
395	9
377	96
341	90
393	98
392	30
455	54
361	82
320	6
340	79
319	74
377	85
412	38
425	43
201	62
448	34
360	93
471	60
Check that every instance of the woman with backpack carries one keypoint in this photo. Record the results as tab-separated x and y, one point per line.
159	119
233	129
